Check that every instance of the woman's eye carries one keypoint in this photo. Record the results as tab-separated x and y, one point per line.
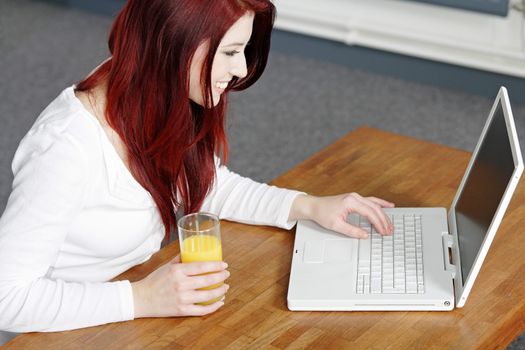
231	53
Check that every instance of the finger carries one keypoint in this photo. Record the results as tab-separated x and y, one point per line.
382	202
375	215
385	219
202	296
201	310
201	281
351	230
176	259
198	268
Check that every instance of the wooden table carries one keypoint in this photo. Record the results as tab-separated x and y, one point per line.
369	161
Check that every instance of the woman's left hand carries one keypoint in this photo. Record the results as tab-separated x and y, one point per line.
332	212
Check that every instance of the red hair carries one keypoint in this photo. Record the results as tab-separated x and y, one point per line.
171	141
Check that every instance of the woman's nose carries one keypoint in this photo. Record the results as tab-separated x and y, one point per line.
239	69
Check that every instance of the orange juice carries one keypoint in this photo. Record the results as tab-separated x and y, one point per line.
202	248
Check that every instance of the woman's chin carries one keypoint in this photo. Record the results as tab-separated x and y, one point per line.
216	99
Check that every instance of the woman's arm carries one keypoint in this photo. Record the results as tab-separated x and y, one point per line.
241	199
51	175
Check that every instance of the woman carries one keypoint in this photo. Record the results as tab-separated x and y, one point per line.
100	175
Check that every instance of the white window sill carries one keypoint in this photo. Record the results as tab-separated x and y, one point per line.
475	40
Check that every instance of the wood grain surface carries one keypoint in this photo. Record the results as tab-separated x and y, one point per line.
369	161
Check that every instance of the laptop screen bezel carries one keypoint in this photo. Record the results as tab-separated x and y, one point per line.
463	288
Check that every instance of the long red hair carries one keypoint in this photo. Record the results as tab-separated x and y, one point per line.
171	141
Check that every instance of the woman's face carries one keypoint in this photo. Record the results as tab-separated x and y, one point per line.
229	60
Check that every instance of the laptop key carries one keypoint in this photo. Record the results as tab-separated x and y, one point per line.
375	285
364	251
411	288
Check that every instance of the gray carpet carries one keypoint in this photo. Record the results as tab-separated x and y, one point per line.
298	107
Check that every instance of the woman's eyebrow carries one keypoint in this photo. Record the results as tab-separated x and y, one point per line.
233	44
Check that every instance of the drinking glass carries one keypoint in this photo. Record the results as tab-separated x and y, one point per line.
200	240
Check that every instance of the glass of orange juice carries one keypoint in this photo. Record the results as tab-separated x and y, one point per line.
200	240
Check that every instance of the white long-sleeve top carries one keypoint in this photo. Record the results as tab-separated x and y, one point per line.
76	218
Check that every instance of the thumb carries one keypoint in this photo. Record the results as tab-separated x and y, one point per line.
351	231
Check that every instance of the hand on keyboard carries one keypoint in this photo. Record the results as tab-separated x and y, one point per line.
331	212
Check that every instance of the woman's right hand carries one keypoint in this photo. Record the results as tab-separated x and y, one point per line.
171	290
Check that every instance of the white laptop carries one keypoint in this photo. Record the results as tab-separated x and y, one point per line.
432	259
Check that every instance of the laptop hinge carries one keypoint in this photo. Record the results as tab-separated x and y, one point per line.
448	243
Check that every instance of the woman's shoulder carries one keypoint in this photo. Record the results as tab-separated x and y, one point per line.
66	115
64	127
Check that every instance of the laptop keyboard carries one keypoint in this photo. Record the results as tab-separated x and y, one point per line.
392	264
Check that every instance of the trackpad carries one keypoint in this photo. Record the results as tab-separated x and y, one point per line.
314	251
328	251
337	250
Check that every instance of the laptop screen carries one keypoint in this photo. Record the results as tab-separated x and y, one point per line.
484	188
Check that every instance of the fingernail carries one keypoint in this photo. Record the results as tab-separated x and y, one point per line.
224	265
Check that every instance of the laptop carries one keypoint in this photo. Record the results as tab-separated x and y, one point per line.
432	259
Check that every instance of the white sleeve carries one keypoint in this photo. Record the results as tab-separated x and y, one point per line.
50	182
241	199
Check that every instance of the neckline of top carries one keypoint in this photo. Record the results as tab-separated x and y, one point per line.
107	144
